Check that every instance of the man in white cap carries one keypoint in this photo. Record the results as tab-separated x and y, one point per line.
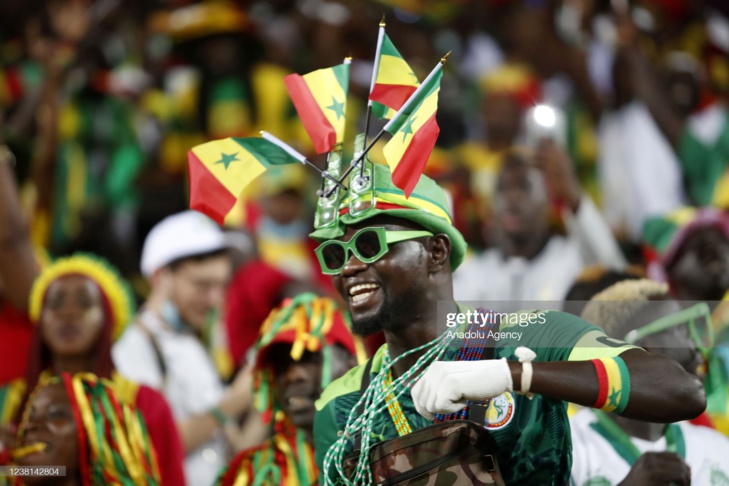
185	258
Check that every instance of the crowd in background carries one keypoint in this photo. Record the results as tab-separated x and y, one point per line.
100	100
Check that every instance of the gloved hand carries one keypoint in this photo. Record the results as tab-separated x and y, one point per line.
446	385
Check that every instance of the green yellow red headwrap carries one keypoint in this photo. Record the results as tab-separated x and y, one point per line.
309	323
114	445
112	286
426	206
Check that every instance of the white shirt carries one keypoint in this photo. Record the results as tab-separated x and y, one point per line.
593	458
191	385
639	171
548	276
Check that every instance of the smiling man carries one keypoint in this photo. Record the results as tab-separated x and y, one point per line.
392	262
303	345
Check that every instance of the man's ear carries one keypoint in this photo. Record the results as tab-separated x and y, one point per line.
440	253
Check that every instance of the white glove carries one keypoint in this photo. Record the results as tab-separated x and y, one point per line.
446	385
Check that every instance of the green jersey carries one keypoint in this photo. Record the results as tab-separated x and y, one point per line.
533	435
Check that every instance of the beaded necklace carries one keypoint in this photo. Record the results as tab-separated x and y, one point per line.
375	403
471	350
393	406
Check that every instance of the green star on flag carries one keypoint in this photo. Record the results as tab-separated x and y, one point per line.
614	397
227	159
407	129
337	108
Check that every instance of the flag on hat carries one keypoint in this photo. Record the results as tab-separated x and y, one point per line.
394	83
220	170
320	98
414	131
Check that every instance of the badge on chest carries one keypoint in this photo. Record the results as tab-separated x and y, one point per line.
495	413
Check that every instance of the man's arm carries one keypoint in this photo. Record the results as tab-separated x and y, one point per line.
199	429
660	391
583	221
17	263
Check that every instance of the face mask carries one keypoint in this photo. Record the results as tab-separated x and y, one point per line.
295	230
171	315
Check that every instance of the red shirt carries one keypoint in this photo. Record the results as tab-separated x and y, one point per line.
163	434
16	334
253	293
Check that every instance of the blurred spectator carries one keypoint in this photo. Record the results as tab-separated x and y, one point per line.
593	280
70	417
690	251
641	175
531	261
185	258
304	345
80	305
612	449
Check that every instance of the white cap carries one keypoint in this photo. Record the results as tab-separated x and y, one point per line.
180	235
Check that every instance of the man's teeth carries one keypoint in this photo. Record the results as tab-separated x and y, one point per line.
362	291
299	401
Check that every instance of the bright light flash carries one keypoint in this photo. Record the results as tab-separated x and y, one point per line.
545	116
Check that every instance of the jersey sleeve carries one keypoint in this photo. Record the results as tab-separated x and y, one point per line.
595	344
560	336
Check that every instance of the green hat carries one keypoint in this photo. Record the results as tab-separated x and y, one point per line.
426	206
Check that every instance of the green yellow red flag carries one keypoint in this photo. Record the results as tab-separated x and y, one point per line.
414	131
320	98
220	170
394	82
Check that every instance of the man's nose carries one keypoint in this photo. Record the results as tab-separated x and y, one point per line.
296	373
353	265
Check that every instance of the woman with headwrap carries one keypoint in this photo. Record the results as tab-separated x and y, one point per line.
81	423
80	305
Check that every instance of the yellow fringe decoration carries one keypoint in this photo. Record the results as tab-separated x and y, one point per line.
109	281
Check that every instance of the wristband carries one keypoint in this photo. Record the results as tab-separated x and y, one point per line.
526	356
613	384
219	416
526	378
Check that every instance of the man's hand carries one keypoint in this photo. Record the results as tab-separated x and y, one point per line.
446	385
559	173
658	469
238	396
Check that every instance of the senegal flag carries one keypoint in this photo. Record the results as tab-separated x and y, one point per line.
220	170
394	83
320	98
414	132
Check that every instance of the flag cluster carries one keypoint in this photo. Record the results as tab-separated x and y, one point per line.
220	170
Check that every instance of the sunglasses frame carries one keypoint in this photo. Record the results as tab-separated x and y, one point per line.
384	236
685	316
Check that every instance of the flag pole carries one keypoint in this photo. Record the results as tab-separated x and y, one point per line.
397	115
297	155
376	67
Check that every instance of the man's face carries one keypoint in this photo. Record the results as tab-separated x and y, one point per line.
701	268
52	423
502	118
384	295
520	202
198	288
72	317
298	383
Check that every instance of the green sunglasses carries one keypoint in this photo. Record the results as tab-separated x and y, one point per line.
367	244
702	336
